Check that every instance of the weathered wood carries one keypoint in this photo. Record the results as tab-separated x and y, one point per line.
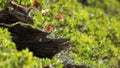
20	8
18	14
6	18
13	16
36	40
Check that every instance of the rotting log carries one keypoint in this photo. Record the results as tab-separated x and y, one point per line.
36	40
